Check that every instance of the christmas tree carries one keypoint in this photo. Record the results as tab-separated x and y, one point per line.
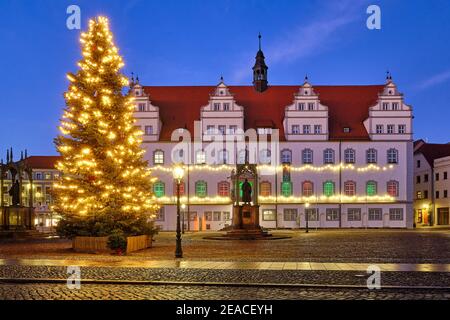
106	184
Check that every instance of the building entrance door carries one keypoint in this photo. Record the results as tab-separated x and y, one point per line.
443	216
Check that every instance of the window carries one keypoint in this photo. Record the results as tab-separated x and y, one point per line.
178	156
354	214
375	214
418	163
425	194
242	155
223	188
371	188
208	215
401	128
216	215
286	189
182	188
311	106
295	129
233	129
445	175
160	215
226	106
317	129
392	156
445	193
311	214
349	156
371	155
437	176
307	188
301	106
269	215
264	130
210	129
328	188
264	156
349	188
417	179
159	189
390	128
226	215
48	176
265	189
223	156
141	107
385	106
346	129
396	214
307	156
158	157
222	129
286	156
192	216
306	129
392	188
148	130
332	214
201	189
437	194
286	173
38	176
419	195
200	157
216	106
379	128
290	214
425	177
395	106
328	156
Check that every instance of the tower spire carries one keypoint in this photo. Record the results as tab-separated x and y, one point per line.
260	69
259	41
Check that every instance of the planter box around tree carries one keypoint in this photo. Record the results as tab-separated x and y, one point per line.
100	244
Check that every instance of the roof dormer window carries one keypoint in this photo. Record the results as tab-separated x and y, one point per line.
346	129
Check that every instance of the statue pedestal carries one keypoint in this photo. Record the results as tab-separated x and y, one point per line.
246	223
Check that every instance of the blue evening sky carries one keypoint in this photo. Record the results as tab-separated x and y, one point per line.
195	42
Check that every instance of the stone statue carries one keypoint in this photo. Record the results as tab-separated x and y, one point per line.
246	192
14	192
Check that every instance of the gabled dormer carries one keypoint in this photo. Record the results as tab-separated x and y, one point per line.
146	114
306	118
221	115
390	118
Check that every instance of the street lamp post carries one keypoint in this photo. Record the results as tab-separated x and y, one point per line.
178	173
183	207
306	216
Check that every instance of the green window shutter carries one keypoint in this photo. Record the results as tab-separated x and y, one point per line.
200	189
371	188
158	189
328	188
286	188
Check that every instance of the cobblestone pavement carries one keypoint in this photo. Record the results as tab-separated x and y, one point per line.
394	246
176	292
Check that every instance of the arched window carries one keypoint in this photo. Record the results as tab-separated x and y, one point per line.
223	189
392	188
242	154
159	189
201	189
158	157
264	156
265	189
223	156
371	188
307	188
286	173
307	156
349	155
178	156
328	188
328	156
349	188
182	188
392	156
200	157
286	156
286	189
371	155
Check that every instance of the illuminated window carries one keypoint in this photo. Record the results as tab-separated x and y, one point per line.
182	188
332	214
307	156
371	188
286	156
392	188
264	156
286	173
392	156
269	215
158	157
328	188
328	156
159	189
396	214
200	157
265	189
223	156
201	189
286	189
223	189
349	188
349	156
371	155
307	188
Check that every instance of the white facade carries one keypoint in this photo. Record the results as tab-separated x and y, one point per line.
347	183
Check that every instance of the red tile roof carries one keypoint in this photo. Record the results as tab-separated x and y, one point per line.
42	162
433	151
179	106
